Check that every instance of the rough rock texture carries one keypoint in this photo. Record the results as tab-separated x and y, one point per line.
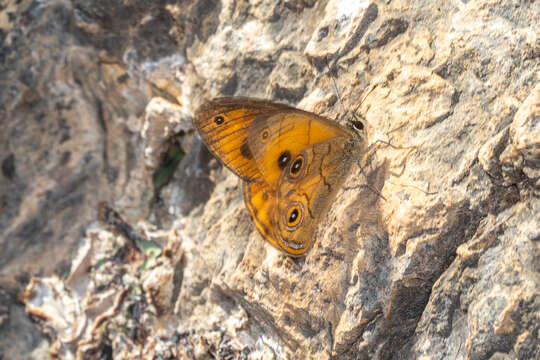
430	250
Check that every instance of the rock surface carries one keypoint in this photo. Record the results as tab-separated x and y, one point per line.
430	250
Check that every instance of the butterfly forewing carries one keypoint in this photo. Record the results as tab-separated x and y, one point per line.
276	139
223	124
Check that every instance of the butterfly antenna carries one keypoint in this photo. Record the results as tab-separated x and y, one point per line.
357	123
335	84
365	97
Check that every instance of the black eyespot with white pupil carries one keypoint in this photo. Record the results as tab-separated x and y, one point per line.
294	216
283	159
219	120
265	134
296	166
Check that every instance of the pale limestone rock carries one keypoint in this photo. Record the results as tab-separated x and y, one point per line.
429	251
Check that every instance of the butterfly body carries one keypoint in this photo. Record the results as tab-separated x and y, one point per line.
292	163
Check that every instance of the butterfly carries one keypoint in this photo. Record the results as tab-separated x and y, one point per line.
292	162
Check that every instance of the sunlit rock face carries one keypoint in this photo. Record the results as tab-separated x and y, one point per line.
429	251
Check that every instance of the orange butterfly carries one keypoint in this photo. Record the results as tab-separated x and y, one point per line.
292	163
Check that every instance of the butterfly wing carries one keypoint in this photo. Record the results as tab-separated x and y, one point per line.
292	163
306	187
275	139
288	215
261	202
223	124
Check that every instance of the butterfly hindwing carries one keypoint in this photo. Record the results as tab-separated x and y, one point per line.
306	188
261	202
